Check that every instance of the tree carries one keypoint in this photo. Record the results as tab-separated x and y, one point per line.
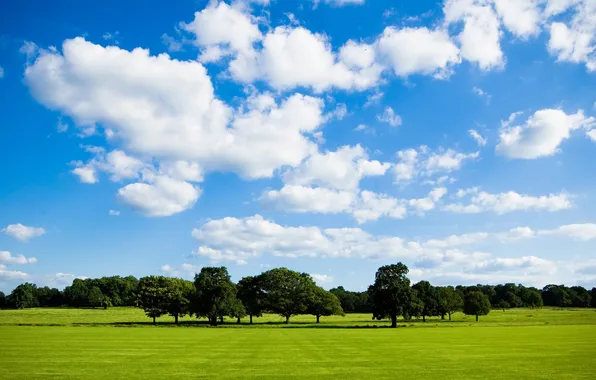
428	295
238	311
476	303
287	292
96	297
180	293
533	299
251	294
503	305
415	307
324	303
556	295
2	300
449	301
24	296
580	297
391	293
77	294
215	294
593	295
153	296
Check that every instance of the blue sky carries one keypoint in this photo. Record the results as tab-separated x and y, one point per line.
330	137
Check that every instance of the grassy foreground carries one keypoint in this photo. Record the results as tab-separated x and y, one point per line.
516	344
536	352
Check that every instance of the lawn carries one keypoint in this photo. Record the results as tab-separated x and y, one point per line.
562	349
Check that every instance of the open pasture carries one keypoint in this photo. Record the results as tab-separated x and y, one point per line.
551	344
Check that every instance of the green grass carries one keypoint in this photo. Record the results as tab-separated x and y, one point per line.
509	345
135	317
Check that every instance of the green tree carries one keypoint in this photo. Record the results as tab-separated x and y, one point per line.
428	295
96	297
593	296
24	296
415	307
3	300
288	292
250	292
449	301
180	294
503	305
324	303
533	299
391	293
215	294
77	294
238	311
153	295
476	303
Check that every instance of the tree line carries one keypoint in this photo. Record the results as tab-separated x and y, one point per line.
213	295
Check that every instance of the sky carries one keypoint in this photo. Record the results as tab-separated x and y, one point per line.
330	137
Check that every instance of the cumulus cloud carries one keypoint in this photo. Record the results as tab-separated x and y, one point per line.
162	196
583	232
529	264
480	36
177	114
541	135
390	117
423	162
341	169
296	198
7	258
6	274
502	203
418	51
23	233
114	212
481	141
322	279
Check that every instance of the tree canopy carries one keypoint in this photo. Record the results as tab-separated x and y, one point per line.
476	303
391	292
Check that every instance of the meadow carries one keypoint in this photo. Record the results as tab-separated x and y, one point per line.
92	343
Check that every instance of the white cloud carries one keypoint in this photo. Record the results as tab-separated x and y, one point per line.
7	258
541	134
418	51
162	196
483	94
521	17
177	116
322	279
6	274
529	264
303	199
374	98
480	37
583	232
574	40
339	3
371	206
23	233
86	174
481	141
511	201
114	213
190	268
341	169
390	117
168	269
413	163
172	43
428	203
592	134
61	127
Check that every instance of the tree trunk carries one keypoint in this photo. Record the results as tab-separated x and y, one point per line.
154	320
287	319
476	317
449	316
176	318
423	318
394	320
238	321
318	316
443	316
251	319
213	320
221	319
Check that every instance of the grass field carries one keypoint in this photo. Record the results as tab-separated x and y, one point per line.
516	344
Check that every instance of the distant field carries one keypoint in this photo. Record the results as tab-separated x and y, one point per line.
516	344
136	317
